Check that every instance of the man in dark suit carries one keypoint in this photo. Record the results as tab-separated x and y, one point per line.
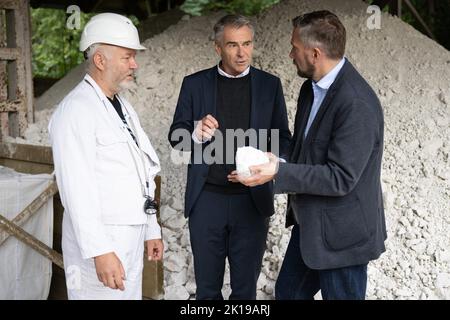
226	218
333	174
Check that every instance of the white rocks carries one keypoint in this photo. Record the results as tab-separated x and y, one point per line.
151	81
416	150
420	247
443	256
167	213
443	280
178	278
403	293
431	147
174	262
176	204
249	156
176	222
443	98
191	287
176	292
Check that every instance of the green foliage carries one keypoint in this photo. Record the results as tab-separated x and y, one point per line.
194	7
439	22
54	46
246	7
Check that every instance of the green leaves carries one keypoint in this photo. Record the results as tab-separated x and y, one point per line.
194	7
246	7
54	45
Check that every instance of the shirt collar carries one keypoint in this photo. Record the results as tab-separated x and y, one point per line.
329	78
223	73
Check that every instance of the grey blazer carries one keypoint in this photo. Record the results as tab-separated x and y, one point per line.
333	175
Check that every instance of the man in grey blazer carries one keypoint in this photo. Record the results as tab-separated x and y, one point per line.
333	174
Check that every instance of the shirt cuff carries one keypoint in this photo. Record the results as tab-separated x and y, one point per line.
153	229
195	139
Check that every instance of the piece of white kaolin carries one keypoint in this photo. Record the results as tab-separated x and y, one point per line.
249	156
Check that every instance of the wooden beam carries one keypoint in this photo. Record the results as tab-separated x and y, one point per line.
11	105
418	17
23	73
10	53
32	241
8	4
4	125
29	90
26	152
31	209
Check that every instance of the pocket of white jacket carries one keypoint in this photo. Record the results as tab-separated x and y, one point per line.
106	139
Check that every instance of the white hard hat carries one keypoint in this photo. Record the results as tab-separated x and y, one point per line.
110	28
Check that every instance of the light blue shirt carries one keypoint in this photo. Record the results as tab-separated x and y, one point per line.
320	89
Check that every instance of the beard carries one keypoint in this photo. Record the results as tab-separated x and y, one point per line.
119	82
126	84
307	73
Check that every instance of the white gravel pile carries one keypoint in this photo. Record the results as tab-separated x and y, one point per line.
411	74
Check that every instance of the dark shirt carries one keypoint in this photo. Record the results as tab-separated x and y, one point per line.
233	112
116	104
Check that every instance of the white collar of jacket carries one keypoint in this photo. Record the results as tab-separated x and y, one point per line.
223	73
146	147
96	87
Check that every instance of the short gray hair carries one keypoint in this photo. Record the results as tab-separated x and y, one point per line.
89	54
323	29
234	20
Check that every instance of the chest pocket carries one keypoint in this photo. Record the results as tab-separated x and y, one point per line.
106	139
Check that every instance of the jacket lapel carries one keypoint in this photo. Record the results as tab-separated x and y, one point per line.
111	115
144	143
255	87
324	107
303	109
210	93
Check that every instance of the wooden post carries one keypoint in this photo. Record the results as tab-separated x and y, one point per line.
419	18
4	128
15	68
30	240
31	209
399	8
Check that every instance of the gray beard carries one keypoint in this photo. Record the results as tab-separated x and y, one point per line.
125	85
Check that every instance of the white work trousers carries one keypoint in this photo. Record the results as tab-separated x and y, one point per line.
81	277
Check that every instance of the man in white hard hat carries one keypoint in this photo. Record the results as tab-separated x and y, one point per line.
105	166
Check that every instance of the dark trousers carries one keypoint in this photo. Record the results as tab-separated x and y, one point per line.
227	226
298	282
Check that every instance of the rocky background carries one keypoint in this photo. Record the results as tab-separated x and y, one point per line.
411	75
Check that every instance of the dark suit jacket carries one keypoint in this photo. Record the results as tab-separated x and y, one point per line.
198	98
333	175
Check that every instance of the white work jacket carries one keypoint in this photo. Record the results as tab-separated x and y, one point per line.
99	168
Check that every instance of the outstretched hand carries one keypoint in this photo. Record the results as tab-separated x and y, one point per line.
261	173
